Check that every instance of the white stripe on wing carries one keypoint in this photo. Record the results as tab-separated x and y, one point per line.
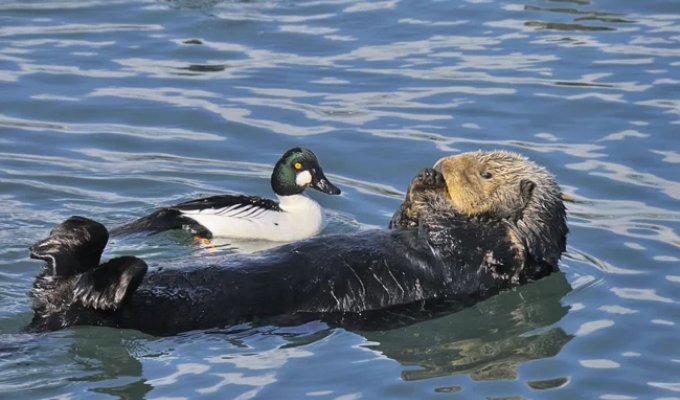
240	211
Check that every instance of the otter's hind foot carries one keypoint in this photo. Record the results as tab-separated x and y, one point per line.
109	285
73	247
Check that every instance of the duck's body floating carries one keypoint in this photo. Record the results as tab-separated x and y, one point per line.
517	236
294	217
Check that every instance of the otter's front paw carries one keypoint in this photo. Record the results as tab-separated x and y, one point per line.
427	179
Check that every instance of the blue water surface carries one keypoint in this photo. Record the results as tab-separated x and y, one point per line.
109	109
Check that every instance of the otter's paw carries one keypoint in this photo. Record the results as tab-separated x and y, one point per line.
402	218
427	179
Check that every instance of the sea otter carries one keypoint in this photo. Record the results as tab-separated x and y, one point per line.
473	225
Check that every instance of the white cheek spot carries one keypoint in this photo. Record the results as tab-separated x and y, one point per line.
303	178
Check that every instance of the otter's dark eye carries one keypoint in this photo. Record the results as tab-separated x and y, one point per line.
485	174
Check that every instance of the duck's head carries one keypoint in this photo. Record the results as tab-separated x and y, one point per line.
298	169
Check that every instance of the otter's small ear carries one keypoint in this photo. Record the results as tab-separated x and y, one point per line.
526	189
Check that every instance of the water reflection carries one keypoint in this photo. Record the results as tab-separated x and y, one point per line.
84	357
488	341
106	356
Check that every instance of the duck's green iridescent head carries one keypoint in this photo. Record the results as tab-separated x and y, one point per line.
298	169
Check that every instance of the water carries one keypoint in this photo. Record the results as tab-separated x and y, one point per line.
111	108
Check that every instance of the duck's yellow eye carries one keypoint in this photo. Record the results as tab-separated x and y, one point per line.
297	165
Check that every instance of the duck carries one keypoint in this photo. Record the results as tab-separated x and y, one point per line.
471	226
294	216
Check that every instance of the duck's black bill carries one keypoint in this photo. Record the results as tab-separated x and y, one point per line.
322	184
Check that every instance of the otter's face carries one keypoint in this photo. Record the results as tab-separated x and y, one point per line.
495	184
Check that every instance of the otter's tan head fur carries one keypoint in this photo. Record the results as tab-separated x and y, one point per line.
508	186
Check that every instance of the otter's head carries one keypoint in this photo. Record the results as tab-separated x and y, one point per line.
509	187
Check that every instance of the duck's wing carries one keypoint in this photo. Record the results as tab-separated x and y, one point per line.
228	206
179	216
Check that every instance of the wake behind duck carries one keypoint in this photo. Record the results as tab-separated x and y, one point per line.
476	224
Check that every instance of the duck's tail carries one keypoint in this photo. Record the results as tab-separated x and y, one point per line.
164	219
73	278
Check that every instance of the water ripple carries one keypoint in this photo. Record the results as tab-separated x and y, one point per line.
626	174
599	364
641	294
114	129
592	326
75	29
57	5
177	97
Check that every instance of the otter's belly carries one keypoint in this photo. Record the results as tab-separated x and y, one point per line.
333	274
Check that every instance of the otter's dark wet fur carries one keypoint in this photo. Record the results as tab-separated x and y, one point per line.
455	239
